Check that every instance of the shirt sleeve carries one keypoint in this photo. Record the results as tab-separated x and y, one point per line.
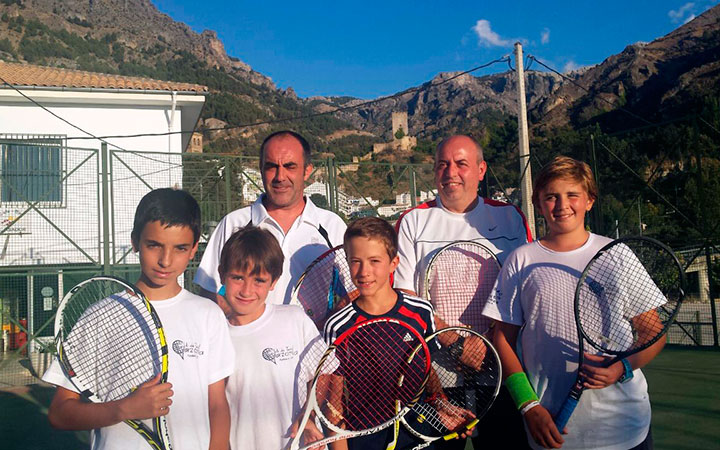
405	272
337	232
207	275
504	303
222	353
55	375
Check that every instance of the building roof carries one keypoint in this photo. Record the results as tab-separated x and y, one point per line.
40	76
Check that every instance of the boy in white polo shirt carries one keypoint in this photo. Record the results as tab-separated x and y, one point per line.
270	342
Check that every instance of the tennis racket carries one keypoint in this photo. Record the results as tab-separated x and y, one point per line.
626	299
366	380
465	378
458	282
325	286
109	341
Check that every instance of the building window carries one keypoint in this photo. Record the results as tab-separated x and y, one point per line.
31	170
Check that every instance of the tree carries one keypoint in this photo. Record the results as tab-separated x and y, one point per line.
319	200
400	133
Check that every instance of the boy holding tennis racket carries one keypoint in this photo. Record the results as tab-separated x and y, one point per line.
533	304
165	234
270	340
371	248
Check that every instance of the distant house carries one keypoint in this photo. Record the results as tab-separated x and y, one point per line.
50	193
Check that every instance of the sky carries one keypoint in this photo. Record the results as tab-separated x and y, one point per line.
371	48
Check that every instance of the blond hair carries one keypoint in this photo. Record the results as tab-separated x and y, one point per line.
565	167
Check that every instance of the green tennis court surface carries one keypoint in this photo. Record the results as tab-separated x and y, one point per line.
684	385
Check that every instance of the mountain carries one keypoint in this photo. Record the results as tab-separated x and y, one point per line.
131	37
656	80
666	78
453	104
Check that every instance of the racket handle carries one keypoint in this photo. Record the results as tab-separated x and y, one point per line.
566	411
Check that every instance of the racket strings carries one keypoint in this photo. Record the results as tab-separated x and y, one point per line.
459	281
373	373
628	297
461	388
325	287
108	340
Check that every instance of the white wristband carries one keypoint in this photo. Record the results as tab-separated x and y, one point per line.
529	406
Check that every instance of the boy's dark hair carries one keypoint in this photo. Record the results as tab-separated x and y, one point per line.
374	228
252	247
287	133
564	167
170	207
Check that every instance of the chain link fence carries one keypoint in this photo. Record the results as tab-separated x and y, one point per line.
56	230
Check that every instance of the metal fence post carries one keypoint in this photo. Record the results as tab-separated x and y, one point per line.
332	182
227	173
711	288
413	188
106	208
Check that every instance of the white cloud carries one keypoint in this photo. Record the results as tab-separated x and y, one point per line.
545	36
570	66
678	15
487	37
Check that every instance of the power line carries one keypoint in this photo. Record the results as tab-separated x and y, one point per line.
421	88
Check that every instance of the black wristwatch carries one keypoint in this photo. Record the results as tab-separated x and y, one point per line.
456	348
627	371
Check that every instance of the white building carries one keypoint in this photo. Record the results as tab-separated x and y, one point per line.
251	185
51	168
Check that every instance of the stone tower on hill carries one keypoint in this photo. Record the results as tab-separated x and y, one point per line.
401	142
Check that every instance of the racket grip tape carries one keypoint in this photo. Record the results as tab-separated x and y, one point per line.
563	417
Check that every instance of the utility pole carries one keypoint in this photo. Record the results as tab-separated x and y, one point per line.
524	144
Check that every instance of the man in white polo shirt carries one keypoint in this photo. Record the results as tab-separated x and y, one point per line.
303	230
460	214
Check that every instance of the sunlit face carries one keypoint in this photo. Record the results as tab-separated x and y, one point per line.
284	172
370	265
563	203
458	173
245	294
164	253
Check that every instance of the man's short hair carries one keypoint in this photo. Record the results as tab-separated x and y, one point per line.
303	142
252	247
373	228
474	141
564	167
170	207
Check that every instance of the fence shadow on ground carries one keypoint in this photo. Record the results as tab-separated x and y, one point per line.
24	423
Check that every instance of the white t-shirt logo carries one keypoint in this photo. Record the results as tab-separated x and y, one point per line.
279	354
191	350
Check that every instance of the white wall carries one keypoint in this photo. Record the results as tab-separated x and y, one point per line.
34	239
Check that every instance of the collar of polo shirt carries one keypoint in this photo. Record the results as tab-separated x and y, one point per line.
259	214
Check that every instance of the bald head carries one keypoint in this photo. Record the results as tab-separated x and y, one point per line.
460	141
459	168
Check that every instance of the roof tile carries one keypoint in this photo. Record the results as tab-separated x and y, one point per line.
41	76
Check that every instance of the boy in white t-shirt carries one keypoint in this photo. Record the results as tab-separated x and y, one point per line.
165	233
536	335
270	342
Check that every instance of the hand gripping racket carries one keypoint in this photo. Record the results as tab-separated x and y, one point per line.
458	282
325	286
367	379
465	379
626	299
110	341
